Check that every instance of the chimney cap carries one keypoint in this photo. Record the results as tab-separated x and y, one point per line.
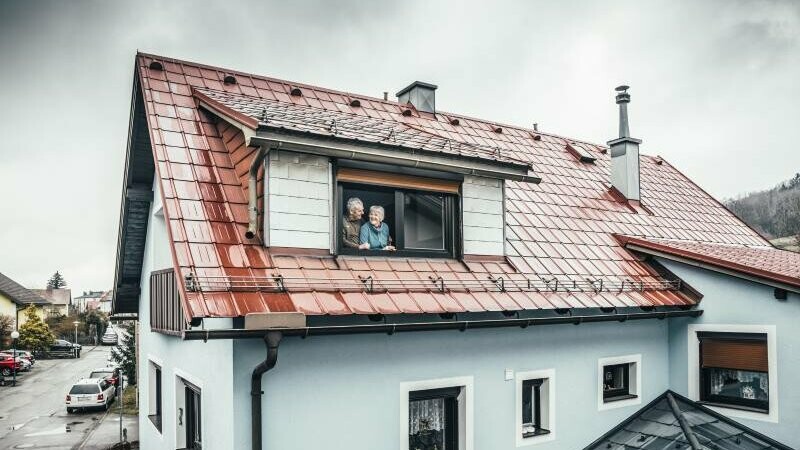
415	84
623	96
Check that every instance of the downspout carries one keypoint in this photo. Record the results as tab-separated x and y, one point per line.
252	182
272	339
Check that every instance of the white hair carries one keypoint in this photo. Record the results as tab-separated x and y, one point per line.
379	210
352	202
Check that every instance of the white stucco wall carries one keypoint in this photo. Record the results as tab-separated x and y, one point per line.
482	201
344	392
208	366
298	200
736	305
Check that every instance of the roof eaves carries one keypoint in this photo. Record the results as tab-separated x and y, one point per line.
710	262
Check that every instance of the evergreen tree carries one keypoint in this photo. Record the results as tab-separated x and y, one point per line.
125	353
56	281
34	334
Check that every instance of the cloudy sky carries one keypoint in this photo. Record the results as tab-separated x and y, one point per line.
714	88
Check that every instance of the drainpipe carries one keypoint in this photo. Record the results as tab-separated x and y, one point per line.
252	203
272	339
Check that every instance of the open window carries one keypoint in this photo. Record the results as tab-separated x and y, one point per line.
535	407
619	380
734	370
385	213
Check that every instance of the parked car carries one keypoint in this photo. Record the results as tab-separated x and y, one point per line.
26	365
110	374
7	365
90	393
60	346
27	355
109	337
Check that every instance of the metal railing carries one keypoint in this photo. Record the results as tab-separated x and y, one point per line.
279	283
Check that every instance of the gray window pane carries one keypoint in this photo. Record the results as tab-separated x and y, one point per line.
424	221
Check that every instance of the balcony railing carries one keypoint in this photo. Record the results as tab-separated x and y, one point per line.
166	313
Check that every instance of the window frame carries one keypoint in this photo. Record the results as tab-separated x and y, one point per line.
547	407
634	382
156	395
452	214
465	425
693	366
705	395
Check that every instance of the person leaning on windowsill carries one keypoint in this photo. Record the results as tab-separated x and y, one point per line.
351	222
375	233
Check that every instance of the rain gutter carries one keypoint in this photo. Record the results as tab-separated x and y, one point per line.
463	325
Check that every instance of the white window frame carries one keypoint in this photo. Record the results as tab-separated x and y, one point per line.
549	397
152	363
634	381
466	432
693	354
180	401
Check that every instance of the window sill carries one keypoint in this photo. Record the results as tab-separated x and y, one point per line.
538	432
396	253
155	419
733	406
617	398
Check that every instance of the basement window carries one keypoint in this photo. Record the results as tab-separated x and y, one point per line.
395	214
734	370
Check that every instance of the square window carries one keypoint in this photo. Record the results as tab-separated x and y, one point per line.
535	407
619	381
390	214
734	370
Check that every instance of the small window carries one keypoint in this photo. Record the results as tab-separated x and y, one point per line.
734	370
535	407
194	422
616	382
155	395
532	424
383	213
433	419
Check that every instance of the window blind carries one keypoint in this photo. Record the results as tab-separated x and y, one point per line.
740	354
351	175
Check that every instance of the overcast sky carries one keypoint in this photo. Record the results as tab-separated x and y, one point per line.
715	89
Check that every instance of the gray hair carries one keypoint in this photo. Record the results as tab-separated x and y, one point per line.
352	202
378	209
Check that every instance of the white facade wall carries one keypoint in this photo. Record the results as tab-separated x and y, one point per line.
482	202
299	200
208	366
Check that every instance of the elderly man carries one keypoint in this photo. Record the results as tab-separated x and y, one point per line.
351	223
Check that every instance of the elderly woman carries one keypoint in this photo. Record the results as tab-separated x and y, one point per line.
375	233
351	222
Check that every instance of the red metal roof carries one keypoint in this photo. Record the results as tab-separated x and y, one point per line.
560	229
761	261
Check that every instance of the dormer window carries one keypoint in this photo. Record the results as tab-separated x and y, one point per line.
396	213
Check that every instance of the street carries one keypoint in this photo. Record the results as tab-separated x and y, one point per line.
33	415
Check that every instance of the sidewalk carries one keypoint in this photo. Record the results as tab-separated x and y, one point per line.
106	435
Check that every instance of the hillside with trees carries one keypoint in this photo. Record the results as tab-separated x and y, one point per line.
775	213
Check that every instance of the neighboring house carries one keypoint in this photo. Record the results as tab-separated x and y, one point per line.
87	300
14	298
261	328
105	301
60	300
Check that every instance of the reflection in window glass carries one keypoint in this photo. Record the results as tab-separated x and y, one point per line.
739	384
424	221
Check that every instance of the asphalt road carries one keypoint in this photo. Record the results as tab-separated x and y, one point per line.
33	414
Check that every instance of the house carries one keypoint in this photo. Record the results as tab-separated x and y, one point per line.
104	302
520	288
60	300
87	300
14	298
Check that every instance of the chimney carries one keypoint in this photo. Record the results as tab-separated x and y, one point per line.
421	95
625	152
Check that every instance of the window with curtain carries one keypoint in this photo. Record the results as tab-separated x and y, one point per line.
734	370
433	419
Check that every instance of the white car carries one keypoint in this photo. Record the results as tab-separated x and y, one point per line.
90	393
109	337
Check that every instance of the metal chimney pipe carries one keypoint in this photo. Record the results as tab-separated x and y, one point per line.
623	98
